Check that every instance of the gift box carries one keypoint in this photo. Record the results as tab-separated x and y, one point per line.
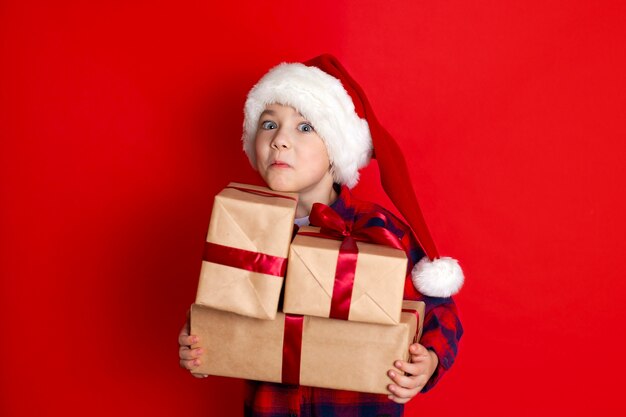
309	351
322	281
246	249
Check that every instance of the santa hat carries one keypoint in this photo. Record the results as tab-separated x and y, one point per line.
325	94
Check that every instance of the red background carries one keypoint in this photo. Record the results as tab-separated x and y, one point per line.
120	120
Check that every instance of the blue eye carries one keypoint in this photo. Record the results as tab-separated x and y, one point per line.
305	127
268	125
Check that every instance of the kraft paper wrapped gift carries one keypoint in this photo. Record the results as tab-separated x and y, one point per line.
310	351
377	290
245	254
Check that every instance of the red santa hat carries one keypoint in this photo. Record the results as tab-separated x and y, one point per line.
326	95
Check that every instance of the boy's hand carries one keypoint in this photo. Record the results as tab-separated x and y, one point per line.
422	365
189	358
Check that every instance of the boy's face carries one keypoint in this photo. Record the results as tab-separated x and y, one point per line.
290	155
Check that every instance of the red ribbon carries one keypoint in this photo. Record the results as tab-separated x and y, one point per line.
334	227
417	320
292	348
244	259
412	311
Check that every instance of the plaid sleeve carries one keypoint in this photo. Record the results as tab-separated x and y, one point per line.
441	334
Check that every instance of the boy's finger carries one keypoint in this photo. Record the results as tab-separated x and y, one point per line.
199	375
402	392
185	353
187	340
402	380
398	399
183	333
190	364
410	368
418	351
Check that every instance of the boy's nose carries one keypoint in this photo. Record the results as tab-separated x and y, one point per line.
281	140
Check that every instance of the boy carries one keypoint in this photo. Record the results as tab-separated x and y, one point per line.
309	129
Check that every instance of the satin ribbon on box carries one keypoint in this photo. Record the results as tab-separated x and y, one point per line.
417	320
244	259
332	226
292	348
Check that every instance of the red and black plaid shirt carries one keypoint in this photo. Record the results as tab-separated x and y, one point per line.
442	332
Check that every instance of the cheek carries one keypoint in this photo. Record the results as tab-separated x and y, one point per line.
319	154
260	151
312	145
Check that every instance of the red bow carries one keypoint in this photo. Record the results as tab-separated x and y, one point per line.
332	226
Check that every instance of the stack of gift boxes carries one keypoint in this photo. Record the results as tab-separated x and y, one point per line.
343	322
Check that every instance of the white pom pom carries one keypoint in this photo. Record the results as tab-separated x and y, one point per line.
441	277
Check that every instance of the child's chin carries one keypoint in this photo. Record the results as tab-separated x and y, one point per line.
282	188
277	185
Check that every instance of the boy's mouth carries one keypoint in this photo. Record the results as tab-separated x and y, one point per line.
280	164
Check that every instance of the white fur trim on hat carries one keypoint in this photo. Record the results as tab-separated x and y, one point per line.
441	277
322	100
